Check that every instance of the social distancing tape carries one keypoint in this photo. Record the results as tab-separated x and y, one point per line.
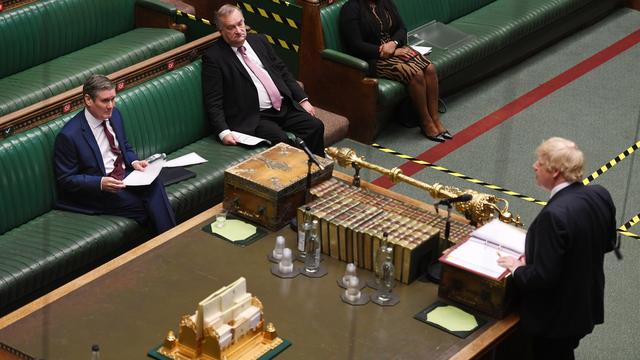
604	168
623	230
271	15
194	18
279	42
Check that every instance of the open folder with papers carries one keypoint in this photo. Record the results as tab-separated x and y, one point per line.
479	254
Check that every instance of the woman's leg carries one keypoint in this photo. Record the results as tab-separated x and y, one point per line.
432	93
417	92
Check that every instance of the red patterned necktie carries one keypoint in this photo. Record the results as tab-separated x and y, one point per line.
265	79
118	171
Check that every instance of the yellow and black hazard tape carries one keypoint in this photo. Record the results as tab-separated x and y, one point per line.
459	175
271	15
194	18
282	43
630	150
634	220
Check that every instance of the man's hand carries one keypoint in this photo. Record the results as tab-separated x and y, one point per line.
511	263
107	183
229	139
139	165
387	49
306	105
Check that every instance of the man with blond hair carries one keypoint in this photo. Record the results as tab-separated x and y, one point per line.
560	280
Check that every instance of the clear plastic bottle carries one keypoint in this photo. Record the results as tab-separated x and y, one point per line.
95	352
380	256
312	248
304	231
388	278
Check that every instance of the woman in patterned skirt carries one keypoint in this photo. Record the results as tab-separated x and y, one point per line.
373	30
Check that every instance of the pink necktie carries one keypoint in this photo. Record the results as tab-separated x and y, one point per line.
265	79
118	171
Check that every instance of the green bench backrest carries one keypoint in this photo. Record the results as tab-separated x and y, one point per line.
26	179
166	113
161	115
414	13
45	30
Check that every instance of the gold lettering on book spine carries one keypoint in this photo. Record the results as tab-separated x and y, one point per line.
479	210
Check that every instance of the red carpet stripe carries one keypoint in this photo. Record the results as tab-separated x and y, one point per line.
501	115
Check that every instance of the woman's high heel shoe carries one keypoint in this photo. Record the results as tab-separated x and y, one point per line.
446	134
437	138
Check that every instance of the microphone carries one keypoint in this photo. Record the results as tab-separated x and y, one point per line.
461	198
300	144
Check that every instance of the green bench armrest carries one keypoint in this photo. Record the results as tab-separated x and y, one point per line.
342	58
158	5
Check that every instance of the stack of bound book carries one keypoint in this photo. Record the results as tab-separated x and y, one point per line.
353	220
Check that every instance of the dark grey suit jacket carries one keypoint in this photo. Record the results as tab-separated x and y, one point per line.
562	285
230	97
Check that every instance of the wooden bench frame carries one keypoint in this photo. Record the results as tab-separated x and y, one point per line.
356	90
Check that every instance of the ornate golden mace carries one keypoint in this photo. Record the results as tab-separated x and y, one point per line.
479	210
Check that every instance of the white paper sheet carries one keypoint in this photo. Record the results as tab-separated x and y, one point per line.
424	50
146	177
502	234
186	160
476	255
247	139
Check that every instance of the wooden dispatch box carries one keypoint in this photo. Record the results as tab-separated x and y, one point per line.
270	186
492	297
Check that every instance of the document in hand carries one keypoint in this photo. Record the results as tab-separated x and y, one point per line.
146	177
250	140
479	254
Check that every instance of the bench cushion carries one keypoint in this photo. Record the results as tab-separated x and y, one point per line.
47	29
68	71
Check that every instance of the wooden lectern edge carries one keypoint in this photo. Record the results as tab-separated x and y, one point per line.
492	336
106	267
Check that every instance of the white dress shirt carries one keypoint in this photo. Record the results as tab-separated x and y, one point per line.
558	187
108	157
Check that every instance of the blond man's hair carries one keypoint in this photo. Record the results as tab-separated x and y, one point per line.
562	155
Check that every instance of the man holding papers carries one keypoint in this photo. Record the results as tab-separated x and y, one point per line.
91	158
248	89
561	278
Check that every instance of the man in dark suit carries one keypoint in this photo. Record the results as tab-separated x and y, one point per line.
92	156
561	278
247	88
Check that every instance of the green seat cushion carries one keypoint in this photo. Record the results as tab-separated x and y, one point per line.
498	25
68	71
54	246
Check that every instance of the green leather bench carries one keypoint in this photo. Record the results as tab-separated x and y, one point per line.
505	31
51	46
41	247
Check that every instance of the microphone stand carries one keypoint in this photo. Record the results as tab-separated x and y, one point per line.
307	193
434	269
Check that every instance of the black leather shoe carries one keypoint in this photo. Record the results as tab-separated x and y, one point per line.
447	135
